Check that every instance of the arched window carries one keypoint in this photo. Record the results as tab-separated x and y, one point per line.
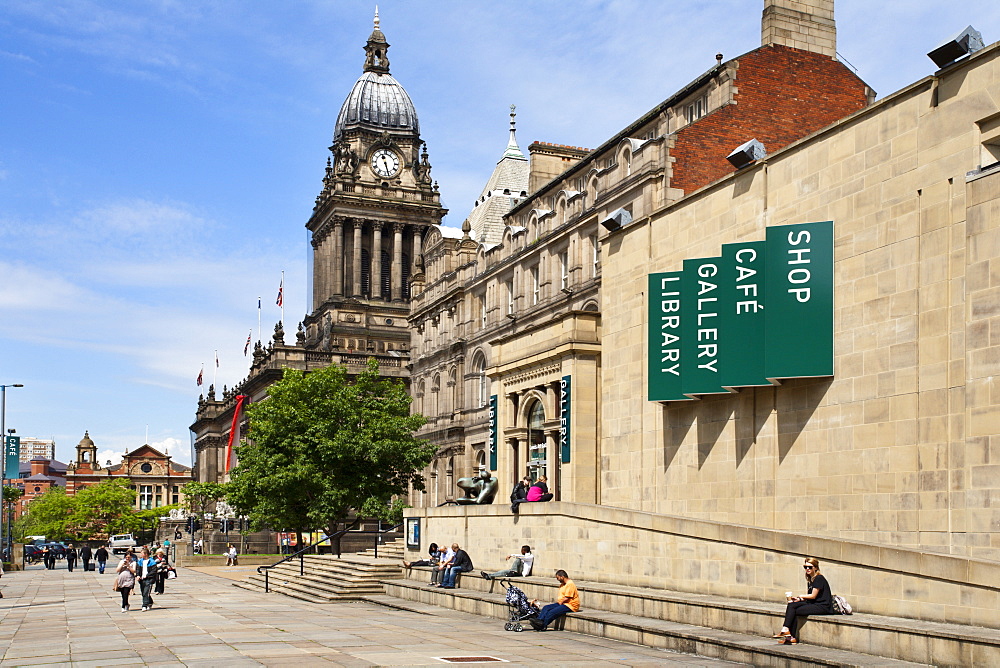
434	483
481	460
450	478
482	389
537	453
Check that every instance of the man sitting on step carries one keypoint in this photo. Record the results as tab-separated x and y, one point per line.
461	564
567	601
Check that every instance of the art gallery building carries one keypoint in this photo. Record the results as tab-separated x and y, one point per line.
855	419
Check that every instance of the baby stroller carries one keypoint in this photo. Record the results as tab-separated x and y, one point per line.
520	609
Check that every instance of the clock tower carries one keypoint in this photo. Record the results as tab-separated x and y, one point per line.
376	205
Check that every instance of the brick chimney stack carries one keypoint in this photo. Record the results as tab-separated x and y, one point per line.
801	24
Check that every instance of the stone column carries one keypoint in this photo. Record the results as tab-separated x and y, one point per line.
418	249
356	260
319	271
338	257
515	460
376	272
396	290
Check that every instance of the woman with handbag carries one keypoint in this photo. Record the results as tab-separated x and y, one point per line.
125	579
818	600
161	570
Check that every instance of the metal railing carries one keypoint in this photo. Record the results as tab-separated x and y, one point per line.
301	554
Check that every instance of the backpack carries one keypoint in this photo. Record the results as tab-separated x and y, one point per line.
841	606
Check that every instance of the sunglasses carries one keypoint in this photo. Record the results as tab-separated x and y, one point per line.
809	568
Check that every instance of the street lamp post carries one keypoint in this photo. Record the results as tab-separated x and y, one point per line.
3	463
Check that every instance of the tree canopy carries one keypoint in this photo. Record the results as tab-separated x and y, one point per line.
321	445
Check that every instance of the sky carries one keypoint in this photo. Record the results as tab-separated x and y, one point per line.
159	160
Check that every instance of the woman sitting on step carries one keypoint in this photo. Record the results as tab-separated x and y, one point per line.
434	556
818	600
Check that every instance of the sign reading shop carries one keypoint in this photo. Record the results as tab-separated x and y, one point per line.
760	312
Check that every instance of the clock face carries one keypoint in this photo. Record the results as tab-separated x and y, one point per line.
385	163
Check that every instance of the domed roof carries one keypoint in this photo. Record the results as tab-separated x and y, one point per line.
377	102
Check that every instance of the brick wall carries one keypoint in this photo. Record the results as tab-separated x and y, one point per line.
783	95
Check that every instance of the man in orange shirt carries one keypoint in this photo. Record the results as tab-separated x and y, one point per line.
567	601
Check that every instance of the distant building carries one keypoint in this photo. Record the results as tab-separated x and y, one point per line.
37	448
36	478
156	479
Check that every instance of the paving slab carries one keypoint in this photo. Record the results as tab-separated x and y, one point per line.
58	618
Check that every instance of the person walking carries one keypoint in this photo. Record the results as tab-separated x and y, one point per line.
145	572
49	558
162	566
125	578
102	558
86	554
818	600
232	558
71	556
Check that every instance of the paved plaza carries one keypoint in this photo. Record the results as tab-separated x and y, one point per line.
74	619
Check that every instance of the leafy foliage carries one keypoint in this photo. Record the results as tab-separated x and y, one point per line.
100	508
198	496
49	515
321	445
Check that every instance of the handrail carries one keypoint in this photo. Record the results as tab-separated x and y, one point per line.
301	553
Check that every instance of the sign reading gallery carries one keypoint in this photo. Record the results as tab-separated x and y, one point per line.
760	312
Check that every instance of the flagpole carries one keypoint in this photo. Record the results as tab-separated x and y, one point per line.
215	374
282	292
258	319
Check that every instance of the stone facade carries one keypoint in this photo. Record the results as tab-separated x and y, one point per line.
376	205
523	320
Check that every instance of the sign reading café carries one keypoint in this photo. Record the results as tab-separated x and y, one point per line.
760	312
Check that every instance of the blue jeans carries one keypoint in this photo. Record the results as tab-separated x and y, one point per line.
100	566
551	612
449	576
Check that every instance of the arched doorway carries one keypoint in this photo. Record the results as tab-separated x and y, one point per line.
537	464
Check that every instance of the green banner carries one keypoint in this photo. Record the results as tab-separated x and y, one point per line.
701	320
564	417
664	318
799	298
12	454
493	432
742	305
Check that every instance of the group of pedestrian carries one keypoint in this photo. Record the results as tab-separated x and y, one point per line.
149	570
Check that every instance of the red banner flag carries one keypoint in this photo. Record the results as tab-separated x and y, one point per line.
201	375
234	432
247	346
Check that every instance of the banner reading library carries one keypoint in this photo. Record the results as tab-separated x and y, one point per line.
759	312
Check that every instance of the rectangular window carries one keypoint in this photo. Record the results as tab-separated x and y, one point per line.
696	109
534	284
145	497
595	252
563	270
509	286
482	310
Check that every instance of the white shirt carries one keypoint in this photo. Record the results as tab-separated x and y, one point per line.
527	560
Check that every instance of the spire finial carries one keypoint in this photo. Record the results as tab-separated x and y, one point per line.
376	17
513	150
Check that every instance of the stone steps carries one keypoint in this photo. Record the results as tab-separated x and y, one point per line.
326	578
669	635
918	641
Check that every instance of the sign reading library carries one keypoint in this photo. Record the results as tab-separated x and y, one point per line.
759	312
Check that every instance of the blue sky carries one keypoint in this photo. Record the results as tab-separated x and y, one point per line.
159	159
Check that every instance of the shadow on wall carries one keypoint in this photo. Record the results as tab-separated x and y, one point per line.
795	402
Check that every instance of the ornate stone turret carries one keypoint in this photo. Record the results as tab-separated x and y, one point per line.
376	50
86	452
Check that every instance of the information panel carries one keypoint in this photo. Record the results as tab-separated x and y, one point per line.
741	299
493	432
564	418
12	455
701	321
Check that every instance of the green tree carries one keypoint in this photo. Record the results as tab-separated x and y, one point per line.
102	508
49	515
321	445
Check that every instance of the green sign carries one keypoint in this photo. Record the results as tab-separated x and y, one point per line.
12	454
761	311
493	432
664	318
799	292
742	304
564	415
